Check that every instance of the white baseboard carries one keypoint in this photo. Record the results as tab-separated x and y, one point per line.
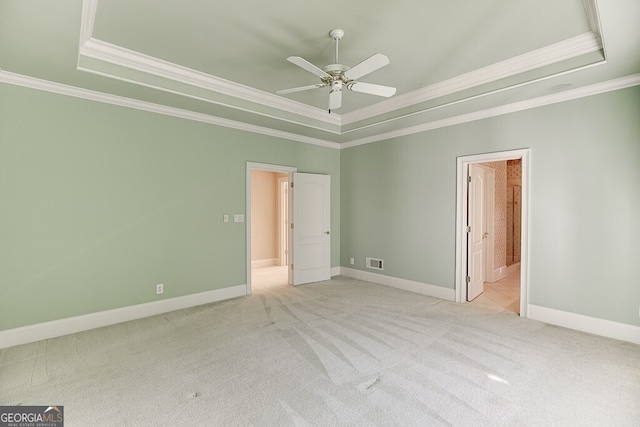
404	284
579	322
498	273
70	325
512	267
336	271
259	263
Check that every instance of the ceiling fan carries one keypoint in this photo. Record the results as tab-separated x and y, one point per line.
337	76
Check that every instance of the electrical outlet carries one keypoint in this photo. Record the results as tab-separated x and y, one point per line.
352	261
238	217
159	289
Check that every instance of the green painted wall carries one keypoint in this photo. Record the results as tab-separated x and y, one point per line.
99	203
398	201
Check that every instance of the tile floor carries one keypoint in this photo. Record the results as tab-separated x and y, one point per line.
503	294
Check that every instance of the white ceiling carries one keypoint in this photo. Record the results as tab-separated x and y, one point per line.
222	62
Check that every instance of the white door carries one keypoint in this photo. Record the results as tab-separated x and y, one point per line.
283	221
311	228
477	234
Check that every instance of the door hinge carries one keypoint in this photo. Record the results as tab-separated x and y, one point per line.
292	266
469	178
292	226
468	229
291	184
468	279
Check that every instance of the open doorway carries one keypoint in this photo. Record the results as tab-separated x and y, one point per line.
504	290
500	235
267	226
269	234
491	246
309	242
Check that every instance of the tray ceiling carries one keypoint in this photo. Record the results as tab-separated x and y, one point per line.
222	62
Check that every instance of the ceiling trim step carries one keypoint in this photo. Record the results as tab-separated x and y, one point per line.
579	45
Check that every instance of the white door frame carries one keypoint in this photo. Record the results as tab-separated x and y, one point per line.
461	221
251	166
283	223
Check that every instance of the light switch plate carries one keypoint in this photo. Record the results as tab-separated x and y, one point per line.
225	218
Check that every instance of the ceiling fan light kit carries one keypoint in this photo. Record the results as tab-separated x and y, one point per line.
336	76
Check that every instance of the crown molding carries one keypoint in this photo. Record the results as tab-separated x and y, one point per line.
91	47
593	15
103	51
558	52
88	19
91	95
62	89
208	100
582	92
113	54
584	43
469	98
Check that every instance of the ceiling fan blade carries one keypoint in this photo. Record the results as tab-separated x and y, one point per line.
300	89
372	89
335	99
367	66
303	63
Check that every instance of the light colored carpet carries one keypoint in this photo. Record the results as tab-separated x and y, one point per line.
341	352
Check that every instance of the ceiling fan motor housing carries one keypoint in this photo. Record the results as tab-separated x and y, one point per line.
337	75
336	69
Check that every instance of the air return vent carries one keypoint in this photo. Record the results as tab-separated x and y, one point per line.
374	263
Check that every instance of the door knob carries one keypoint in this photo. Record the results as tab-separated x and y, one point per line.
327	232
485	235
